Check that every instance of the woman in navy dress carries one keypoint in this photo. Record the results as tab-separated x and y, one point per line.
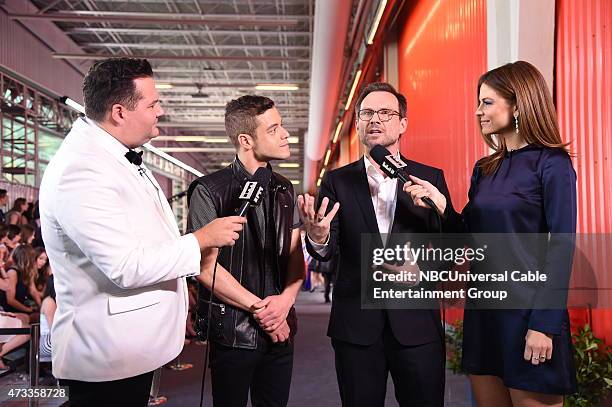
527	185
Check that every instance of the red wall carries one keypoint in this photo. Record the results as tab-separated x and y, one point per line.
583	85
442	53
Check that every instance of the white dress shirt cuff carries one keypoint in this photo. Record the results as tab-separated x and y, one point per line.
192	250
321	248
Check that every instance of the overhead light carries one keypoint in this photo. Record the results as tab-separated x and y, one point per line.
327	157
215	140
322	172
338	128
417	35
180	138
71	103
277	86
201	139
379	13
203	150
295	182
197	149
163	86
173	160
293	140
289	165
319	182
352	93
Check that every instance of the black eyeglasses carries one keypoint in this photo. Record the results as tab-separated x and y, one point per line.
383	114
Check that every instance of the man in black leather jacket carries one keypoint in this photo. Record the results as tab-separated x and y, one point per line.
252	317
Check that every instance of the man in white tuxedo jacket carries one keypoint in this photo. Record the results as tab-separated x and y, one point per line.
116	252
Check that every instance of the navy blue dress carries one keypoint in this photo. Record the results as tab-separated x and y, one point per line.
533	191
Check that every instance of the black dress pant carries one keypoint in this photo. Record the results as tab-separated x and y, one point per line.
417	372
130	392
265	372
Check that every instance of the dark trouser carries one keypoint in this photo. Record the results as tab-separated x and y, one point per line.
328	278
130	392
266	373
417	372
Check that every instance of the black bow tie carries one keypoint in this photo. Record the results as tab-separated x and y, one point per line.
134	157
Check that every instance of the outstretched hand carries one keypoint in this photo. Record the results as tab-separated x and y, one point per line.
316	223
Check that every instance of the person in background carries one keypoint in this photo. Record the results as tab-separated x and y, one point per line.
10	342
3	200
38	240
27	234
4	250
40	274
15	215
315	274
47	313
328	270
192	288
12	239
17	278
28	214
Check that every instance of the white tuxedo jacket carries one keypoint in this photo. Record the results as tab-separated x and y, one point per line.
118	261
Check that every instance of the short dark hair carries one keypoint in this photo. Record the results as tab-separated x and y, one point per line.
382	87
111	81
241	115
3	231
3	193
12	231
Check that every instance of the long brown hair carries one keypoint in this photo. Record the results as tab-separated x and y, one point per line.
523	86
19	202
24	262
40	276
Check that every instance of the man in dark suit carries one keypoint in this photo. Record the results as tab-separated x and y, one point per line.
371	343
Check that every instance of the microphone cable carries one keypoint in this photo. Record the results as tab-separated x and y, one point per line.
208	341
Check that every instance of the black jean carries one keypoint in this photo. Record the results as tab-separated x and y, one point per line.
265	372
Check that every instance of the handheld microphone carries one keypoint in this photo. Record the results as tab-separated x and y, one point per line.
394	167
252	192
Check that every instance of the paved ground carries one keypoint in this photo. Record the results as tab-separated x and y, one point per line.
314	378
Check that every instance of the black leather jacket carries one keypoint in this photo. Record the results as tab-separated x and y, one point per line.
231	326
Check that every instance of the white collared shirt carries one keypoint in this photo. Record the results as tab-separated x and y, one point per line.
383	192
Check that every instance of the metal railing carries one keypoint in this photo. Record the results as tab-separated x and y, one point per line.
34	362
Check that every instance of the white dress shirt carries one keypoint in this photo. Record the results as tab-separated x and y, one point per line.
383	192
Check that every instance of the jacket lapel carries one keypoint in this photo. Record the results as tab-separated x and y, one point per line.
153	191
363	197
165	206
104	140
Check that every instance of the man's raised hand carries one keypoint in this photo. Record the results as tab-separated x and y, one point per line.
317	224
